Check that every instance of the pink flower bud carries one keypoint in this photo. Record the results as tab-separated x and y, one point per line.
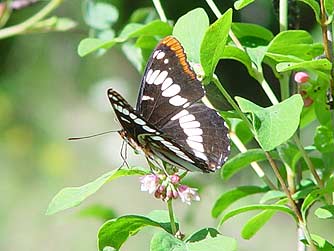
161	188
301	77
174	179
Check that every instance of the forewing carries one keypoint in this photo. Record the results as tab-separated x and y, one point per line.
168	85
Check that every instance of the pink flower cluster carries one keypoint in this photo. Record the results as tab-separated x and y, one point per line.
168	187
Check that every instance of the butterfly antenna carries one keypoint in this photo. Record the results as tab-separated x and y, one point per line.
91	136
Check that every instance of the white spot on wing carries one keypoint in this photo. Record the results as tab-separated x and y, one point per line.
125	111
180	114
147	98
156	53
152	77
177	100
187	118
191	124
148	75
196	138
148	129
185	157
195	145
200	155
133	116
139	121
124	119
161	78
166	83
157	138
171	91
160	55
166	61
193	132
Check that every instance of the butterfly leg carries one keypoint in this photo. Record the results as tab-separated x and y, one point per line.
124	154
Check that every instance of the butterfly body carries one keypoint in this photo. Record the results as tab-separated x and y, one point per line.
168	121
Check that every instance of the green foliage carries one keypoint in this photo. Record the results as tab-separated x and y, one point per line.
325	212
239	4
228	198
195	18
131	30
240	161
211	51
73	196
275	124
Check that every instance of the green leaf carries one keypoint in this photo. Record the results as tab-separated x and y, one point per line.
100	15
202	234
163	241
229	197
72	196
115	232
231	52
329	6
240	161
213	43
325	212
312	197
98	211
320	64
324	139
315	7
321	243
131	30
239	4
272	195
218	243
248	208
191	42
275	124
257	54
251	35
255	223
293	44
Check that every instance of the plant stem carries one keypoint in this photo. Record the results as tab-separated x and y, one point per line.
231	101
171	216
284	85
308	161
22	27
265	86
327	37
256	167
283	15
160	10
291	201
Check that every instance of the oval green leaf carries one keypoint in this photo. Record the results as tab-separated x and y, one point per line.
73	196
229	197
240	161
274	125
213	43
190	41
240	210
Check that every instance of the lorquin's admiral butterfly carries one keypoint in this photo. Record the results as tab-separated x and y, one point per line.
168	121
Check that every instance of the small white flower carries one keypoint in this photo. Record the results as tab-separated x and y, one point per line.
149	183
188	194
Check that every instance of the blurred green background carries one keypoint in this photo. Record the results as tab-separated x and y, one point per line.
48	93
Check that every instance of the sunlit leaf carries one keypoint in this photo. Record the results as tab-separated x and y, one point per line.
73	196
325	212
229	197
275	124
213	43
194	18
239	4
240	161
324	139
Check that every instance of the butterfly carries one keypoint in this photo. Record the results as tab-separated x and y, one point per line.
169	122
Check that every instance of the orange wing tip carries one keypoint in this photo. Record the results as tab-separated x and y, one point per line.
176	46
